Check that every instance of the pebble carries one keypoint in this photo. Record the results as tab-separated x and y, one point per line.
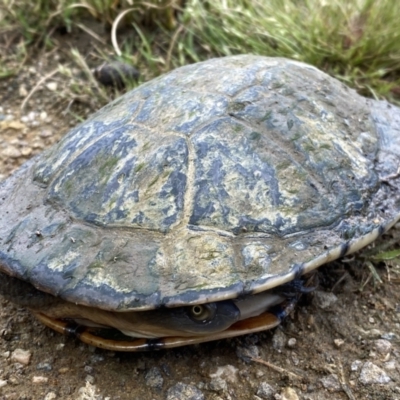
289	393
218	385
331	383
11	152
182	391
389	336
292	342
265	391
90	379
227	372
52	86
324	300
355	365
248	352
154	378
338	342
40	379
50	396
44	366
45	133
390	365
2	383
383	347
279	340
88	392
371	373
21	356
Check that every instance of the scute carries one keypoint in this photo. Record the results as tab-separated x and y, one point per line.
225	177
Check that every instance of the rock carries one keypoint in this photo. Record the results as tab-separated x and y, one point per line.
44	366
331	383
383	347
116	74
289	394
265	391
11	152
50	396
218	385
2	383
227	372
248	352
371	373
154	378
279	340
355	365
181	391
21	356
324	300
338	342
292	342
40	379
88	392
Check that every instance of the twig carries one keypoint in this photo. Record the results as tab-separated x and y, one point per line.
343	384
276	368
36	87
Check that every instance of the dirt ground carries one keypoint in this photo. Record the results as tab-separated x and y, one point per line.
340	343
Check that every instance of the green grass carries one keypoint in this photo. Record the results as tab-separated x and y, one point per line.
357	41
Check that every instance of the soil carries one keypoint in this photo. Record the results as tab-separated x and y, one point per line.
340	342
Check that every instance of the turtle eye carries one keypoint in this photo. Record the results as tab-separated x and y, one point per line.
202	312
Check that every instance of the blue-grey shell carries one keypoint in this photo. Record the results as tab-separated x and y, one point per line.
218	179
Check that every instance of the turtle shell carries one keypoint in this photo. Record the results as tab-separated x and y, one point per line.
216	180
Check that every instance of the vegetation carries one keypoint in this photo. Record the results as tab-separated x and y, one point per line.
357	41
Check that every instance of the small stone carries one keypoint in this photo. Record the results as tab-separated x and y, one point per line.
89	369
227	372
26	151
45	133
265	391
63	370
331	383
324	300
338	342
43	115
389	336
40	379
371	320
278	340
181	391
11	152
292	342
22	91
383	347
218	385
371	373
21	356
289	393
248	352
355	365
390	365
88	392
52	86
90	379
44	366
154	378
6	354
50	396
2	383
60	346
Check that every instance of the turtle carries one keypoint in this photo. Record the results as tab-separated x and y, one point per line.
188	209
